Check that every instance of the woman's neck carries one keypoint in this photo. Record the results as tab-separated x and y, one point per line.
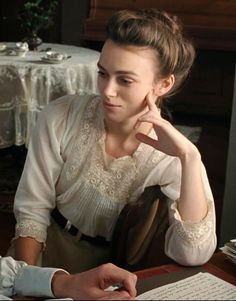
121	140
119	129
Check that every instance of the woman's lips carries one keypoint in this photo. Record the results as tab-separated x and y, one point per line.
110	105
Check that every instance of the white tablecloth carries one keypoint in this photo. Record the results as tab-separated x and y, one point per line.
27	84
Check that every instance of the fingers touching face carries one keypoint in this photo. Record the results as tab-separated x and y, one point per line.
150	103
151	99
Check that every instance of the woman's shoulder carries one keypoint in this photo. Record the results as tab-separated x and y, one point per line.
67	101
66	105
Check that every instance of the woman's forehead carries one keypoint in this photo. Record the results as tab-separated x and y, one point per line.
126	56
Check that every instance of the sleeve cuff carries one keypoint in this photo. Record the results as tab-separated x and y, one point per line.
194	232
35	281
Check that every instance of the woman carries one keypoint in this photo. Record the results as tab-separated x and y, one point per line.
90	155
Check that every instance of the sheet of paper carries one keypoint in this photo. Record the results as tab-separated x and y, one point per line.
202	286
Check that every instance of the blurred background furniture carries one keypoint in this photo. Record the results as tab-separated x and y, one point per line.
211	24
27	84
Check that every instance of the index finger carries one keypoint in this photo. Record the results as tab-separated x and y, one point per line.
129	284
151	102
125	278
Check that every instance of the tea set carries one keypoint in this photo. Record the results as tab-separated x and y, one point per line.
22	48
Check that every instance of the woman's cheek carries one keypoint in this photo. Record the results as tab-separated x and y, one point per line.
99	85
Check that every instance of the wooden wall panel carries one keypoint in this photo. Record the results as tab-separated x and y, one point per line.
211	23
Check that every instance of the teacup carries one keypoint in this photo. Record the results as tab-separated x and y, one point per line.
21	49
52	55
20	52
22	46
3	47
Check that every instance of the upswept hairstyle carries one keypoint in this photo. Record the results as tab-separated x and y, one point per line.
156	29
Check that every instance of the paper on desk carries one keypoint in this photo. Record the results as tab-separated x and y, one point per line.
202	286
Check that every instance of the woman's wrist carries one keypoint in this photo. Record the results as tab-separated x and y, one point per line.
190	155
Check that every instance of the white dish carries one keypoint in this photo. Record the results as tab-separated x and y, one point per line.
20	53
3	47
16	52
53	60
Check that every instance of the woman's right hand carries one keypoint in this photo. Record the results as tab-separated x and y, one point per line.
169	140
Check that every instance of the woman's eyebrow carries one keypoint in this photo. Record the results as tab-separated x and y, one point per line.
100	66
119	71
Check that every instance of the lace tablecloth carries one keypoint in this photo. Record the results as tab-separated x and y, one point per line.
27	84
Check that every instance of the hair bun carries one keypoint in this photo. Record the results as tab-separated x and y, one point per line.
173	23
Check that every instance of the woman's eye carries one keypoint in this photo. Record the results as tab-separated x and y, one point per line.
126	81
102	73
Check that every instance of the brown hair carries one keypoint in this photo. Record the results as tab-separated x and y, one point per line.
158	30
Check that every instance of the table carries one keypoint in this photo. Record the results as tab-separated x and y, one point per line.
27	84
165	274
219	259
158	276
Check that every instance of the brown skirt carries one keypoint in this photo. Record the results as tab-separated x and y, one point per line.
66	251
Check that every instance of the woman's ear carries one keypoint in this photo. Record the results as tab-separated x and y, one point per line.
163	86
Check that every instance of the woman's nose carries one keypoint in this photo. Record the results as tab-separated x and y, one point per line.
110	89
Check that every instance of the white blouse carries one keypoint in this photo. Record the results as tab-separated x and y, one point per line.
67	166
17	278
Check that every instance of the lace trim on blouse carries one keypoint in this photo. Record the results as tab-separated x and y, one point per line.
29	228
194	233
82	143
116	179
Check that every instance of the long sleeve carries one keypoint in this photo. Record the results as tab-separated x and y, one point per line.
189	243
36	195
16	277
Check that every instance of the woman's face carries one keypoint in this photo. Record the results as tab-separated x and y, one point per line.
125	76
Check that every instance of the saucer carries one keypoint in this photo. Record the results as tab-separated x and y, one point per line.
16	52
55	55
20	52
50	60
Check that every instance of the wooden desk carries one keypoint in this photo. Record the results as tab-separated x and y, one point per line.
153	277
220	261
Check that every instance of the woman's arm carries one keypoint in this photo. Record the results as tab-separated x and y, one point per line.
191	237
192	203
28	250
36	192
